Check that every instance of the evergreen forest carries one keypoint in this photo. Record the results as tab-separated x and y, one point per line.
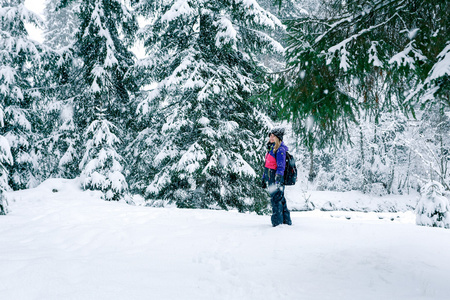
362	86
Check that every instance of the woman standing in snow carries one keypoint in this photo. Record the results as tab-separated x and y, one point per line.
274	176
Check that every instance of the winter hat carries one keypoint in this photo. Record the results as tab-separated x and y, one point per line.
278	132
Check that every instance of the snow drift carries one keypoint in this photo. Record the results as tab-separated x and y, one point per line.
59	242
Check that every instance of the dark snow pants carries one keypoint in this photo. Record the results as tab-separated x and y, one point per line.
280	212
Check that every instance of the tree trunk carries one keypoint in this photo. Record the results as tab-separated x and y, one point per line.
312	174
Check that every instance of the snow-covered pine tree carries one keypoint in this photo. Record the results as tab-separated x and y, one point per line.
103	41
3	204
101	165
19	59
286	9
290	9
62	23
5	161
433	208
200	140
429	32
102	105
60	137
59	145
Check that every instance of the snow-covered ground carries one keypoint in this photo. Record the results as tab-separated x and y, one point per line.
61	243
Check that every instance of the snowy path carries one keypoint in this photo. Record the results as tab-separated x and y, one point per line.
71	245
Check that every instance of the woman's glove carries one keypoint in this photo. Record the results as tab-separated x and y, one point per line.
263	183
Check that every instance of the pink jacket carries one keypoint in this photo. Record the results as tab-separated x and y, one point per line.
271	162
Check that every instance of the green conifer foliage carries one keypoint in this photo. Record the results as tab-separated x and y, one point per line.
335	60
101	165
61	23
200	141
59	140
20	57
101	106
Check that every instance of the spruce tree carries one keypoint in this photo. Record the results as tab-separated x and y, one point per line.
433	208
61	23
20	58
101	107
6	160
334	60
200	138
59	146
101	165
290	9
